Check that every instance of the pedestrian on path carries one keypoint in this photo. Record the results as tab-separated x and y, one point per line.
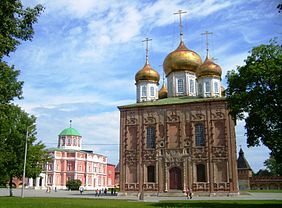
81	189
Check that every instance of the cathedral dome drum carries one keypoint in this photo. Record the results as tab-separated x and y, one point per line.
182	59
147	73
209	69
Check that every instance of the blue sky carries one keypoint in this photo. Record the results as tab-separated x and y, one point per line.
84	55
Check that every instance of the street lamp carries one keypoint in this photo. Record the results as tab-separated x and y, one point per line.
25	153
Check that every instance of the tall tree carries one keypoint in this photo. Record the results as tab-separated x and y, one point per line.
17	126
16	25
254	93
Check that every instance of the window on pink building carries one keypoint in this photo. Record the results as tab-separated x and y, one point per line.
69	166
69	141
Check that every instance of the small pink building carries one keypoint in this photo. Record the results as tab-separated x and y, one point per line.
69	161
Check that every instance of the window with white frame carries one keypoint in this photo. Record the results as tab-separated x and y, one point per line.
69	141
208	86
192	87
200	88
216	87
152	91
144	91
180	86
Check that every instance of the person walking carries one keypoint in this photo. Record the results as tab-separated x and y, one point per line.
81	189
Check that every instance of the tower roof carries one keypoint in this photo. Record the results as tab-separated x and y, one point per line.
182	59
209	69
163	92
147	73
242	163
69	132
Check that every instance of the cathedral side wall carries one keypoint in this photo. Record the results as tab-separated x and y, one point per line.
179	159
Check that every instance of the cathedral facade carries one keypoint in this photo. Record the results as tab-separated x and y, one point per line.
180	136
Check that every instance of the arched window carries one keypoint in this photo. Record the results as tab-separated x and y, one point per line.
152	91
151	174
180	85
69	141
74	142
192	88
144	91
200	88
199	134
216	87
201	173
151	137
208	86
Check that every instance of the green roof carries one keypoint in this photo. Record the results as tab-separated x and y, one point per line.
69	132
172	101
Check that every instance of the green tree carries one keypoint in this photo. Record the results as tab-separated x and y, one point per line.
15	125
73	184
10	87
273	166
16	25
254	93
263	172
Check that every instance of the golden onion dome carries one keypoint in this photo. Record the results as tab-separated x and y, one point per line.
147	73
182	59
163	92
209	68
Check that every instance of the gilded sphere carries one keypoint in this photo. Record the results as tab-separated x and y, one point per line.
147	73
182	59
209	68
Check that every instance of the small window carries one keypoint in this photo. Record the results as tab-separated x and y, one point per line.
152	91
216	87
208	86
74	142
151	174
144	91
199	133
151	140
180	86
192	87
69	141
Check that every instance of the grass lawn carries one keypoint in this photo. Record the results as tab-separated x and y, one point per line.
15	202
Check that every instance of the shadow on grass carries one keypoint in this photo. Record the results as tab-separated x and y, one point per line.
263	204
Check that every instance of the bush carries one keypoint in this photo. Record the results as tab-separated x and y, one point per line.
73	184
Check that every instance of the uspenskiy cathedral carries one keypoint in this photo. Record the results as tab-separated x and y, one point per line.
181	135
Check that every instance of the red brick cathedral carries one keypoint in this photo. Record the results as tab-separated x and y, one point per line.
181	135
